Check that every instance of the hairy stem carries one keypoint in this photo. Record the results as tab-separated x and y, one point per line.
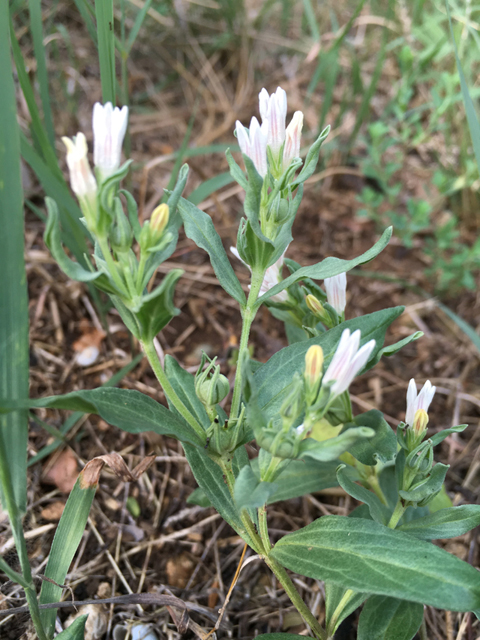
332	624
263	528
151	353
396	515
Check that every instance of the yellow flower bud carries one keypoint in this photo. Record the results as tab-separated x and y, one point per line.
159	219
313	364
317	309
420	421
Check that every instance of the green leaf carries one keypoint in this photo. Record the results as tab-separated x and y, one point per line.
157	307
378	511
383	446
334	594
235	171
440	436
199	228
303	476
311	160
429	488
272	379
128	410
64	546
328	267
13	282
446	523
331	449
365	556
210	186
210	479
199	498
76	631
184	385
384	617
250	492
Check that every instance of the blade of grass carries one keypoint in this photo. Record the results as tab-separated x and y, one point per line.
137	25
210	186
13	285
87	13
42	74
106	48
472	118
65	543
311	19
37	127
13	320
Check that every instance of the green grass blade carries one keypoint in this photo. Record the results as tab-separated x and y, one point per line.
137	25
472	118
13	281
37	126
106	48
311	19
210	186
42	74
467	329
87	13
65	543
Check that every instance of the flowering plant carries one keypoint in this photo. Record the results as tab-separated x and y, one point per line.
296	407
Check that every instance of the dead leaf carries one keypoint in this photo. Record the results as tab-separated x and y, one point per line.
179	570
90	474
63	471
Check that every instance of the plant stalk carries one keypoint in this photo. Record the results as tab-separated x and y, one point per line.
263	528
396	515
284	579
248	315
347	596
151	353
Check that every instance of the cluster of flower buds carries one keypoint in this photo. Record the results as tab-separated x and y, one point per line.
271	143
211	386
109	126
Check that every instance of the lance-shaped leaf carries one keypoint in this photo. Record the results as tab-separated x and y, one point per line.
446	523
384	617
383	445
328	267
76	631
157	308
439	437
199	228
346	476
334	595
365	556
128	410
429	488
331	449
250	492
272	379
311	160
235	171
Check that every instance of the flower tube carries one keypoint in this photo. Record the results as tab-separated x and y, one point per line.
273	109
109	127
293	136
336	288
273	275
253	143
347	361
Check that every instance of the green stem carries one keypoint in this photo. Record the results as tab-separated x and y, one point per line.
248	315
347	596
20	544
263	528
299	604
140	272
151	353
112	266
396	515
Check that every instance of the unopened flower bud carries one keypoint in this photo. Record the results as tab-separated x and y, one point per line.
159	220
273	109
313	364
420	422
317	309
293	136
416	402
213	390
109	127
253	143
82	180
336	288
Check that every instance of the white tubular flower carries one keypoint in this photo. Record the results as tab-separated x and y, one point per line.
293	136
273	109
347	361
273	275
82	179
422	401
336	288
109	127
253	143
